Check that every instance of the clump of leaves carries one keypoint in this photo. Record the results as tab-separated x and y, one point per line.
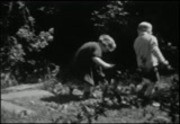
19	39
7	80
35	42
112	13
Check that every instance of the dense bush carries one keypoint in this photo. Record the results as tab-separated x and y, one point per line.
19	39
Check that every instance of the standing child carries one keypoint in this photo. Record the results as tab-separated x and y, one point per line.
148	56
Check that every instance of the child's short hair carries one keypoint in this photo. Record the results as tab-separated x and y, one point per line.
144	26
107	41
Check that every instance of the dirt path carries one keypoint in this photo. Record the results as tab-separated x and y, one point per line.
18	93
39	106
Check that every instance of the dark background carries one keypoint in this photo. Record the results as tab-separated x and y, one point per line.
73	27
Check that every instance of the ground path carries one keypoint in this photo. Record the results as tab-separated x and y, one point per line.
19	92
30	100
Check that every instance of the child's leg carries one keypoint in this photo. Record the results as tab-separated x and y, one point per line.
157	75
87	89
141	83
154	77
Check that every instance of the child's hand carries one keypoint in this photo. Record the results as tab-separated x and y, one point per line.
113	65
166	69
169	68
166	62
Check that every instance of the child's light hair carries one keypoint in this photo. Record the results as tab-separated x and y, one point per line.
107	41
144	26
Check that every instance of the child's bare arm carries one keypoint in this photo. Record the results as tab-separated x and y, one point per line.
102	63
157	52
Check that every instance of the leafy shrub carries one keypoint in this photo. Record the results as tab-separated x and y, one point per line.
19	40
113	13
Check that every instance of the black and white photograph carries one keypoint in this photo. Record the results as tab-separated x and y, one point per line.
89	61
